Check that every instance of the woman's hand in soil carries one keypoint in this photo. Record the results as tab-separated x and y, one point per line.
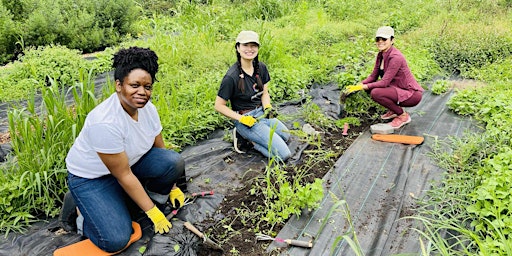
270	112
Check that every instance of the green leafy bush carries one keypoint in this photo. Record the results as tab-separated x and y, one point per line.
84	25
497	71
39	66
7	35
464	47
440	87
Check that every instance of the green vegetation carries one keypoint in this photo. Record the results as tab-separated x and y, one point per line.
440	87
80	24
303	42
38	67
472	202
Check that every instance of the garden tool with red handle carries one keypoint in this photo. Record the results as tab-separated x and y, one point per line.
190	198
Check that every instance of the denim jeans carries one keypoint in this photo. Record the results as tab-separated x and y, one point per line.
260	135
104	204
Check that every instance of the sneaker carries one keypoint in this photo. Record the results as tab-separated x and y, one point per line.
401	120
240	143
390	114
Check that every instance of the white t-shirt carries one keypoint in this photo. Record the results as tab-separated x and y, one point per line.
109	129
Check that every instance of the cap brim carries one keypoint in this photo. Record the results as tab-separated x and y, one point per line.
246	42
383	36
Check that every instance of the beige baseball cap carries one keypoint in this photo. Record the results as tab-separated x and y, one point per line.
248	36
385	32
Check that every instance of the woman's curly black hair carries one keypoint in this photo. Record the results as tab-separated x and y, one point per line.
126	60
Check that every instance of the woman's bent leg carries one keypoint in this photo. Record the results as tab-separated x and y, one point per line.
158	170
101	202
387	98
260	135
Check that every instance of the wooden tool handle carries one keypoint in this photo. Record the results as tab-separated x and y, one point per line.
191	227
299	243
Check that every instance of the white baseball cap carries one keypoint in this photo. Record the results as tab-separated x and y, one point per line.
385	32
248	36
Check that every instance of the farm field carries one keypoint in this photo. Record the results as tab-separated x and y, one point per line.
314	50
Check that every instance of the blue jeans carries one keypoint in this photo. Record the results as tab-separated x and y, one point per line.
259	135
104	204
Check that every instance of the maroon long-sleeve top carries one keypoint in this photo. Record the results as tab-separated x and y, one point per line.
396	74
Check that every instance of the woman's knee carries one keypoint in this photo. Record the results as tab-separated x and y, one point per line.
174	163
285	155
114	239
377	95
115	243
281	149
179	166
413	100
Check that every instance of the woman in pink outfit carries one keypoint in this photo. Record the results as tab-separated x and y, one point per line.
397	86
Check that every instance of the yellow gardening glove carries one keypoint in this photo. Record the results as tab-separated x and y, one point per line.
249	121
162	225
270	112
354	88
177	195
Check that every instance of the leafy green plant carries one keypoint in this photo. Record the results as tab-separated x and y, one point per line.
340	123
440	87
492	196
285	197
313	114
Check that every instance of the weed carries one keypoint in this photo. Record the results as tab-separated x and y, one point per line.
440	87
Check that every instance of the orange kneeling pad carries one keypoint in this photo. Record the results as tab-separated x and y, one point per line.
86	247
396	138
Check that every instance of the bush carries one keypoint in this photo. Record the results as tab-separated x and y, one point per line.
465	47
16	8
38	67
82	24
7	35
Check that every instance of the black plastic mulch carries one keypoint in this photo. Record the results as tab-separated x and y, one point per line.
381	183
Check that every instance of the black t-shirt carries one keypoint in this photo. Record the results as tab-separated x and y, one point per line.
229	90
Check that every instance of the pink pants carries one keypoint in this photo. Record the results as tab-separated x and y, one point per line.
388	98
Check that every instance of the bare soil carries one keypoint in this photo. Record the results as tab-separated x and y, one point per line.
242	239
